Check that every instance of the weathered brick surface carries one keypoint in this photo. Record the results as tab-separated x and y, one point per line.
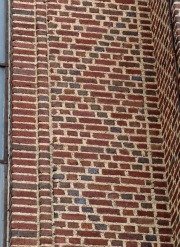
24	179
87	165
175	10
168	91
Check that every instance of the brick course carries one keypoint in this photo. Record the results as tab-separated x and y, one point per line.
89	153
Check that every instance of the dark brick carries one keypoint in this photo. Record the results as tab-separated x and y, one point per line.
87	3
111	151
131	14
73	192
146	244
28	233
71	119
94	217
66	200
127	196
116	129
82	92
102	114
74	85
86	178
87	209
99	49
58	176
80	201
151	238
95	107
137	167
64	185
93	170
128	144
57	118
101	227
117	243
120	25
109	122
143	160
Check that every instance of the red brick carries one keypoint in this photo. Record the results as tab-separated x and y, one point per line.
93	124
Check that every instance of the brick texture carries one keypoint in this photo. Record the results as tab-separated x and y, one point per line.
168	91
24	146
92	141
176	21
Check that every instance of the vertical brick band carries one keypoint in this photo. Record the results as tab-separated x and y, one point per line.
44	127
24	148
154	138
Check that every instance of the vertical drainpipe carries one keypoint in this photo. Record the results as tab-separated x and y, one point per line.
4	53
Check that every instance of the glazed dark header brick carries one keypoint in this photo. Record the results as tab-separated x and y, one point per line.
93	137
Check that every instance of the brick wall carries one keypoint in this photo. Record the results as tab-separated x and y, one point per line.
87	161
24	197
167	79
175	10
